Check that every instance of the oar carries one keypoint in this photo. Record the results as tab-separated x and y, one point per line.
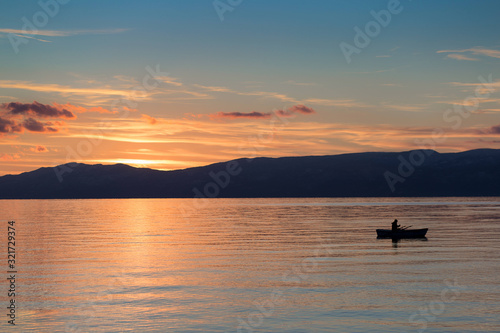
404	228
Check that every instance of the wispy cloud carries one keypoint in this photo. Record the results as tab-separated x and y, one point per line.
81	109
266	94
61	89
290	112
349	103
236	115
31	37
269	94
213	141
408	108
483	88
376	72
488	110
60	33
286	98
458	56
169	80
475	51
214	88
150	120
295	83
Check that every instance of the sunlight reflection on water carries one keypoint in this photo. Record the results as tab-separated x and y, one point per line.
268	265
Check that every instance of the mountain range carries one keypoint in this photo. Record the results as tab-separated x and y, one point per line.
415	173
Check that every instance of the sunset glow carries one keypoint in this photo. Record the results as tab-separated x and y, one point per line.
171	86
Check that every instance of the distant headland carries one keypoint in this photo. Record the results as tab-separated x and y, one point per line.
415	173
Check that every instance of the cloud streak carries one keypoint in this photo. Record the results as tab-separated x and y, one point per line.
49	87
236	115
285	98
458	56
81	109
290	112
474	50
36	109
301	109
61	33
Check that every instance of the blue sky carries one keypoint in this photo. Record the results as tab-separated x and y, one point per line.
262	57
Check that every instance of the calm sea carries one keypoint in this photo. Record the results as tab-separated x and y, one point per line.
252	265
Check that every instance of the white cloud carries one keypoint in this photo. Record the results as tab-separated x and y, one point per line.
474	50
60	33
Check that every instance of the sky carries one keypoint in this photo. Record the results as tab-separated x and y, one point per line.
183	83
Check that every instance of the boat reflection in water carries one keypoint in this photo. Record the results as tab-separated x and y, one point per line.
396	241
401	233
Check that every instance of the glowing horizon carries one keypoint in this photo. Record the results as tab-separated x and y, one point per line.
171	85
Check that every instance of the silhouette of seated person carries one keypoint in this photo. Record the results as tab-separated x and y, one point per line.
395	225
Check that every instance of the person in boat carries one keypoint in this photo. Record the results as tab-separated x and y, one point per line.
395	225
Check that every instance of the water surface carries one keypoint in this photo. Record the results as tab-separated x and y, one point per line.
254	265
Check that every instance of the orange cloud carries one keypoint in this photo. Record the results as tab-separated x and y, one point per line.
39	149
81	109
169	80
7	157
149	119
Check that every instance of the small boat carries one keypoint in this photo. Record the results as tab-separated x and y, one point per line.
401	233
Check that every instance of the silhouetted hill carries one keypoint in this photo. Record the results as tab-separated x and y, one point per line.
471	173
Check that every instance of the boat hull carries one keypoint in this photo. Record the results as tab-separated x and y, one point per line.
399	234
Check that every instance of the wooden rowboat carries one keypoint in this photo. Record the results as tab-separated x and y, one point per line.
399	234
